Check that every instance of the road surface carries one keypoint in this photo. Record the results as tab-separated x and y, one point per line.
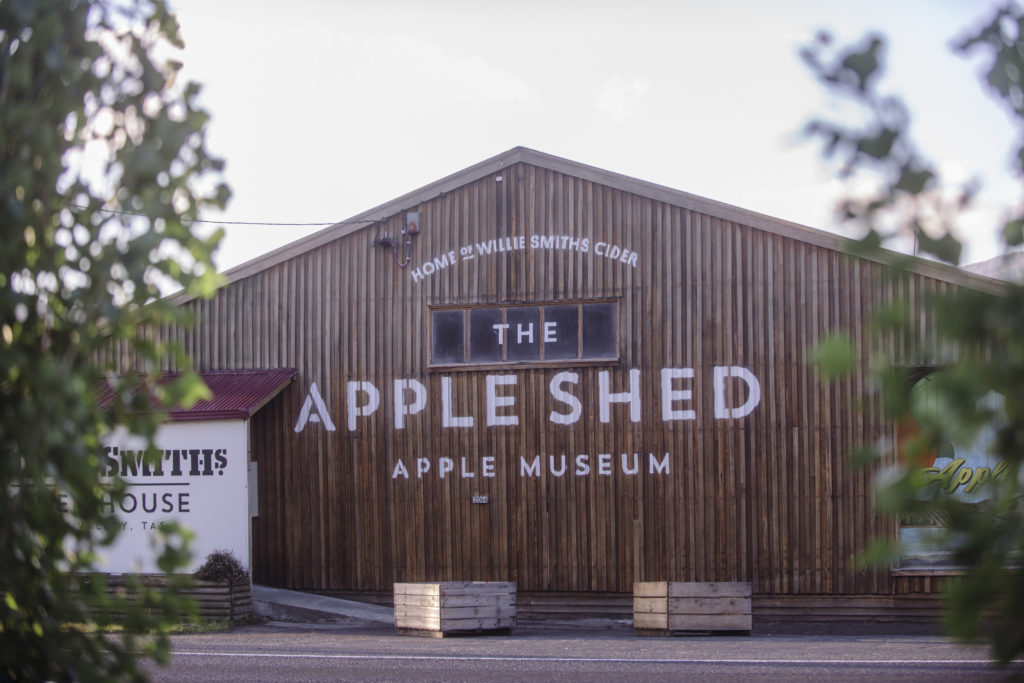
296	652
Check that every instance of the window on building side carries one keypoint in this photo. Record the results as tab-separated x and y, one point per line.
524	334
955	469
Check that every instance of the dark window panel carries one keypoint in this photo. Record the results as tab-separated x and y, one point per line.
448	342
483	337
599	331
562	324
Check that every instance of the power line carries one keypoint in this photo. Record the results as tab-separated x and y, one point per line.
205	220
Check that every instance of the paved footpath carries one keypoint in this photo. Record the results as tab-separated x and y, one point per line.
299	652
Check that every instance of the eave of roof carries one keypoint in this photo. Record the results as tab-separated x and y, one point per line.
237	394
641	188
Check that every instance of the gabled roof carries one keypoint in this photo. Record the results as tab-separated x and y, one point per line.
1008	267
641	188
237	394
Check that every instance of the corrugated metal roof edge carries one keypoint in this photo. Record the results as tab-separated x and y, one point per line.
276	380
641	188
208	416
285	376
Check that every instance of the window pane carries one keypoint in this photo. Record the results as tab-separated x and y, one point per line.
599	331
522	339
560	332
483	337
448	343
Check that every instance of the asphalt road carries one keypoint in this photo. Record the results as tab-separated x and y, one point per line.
293	652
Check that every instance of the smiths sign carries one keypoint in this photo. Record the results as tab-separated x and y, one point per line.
199	480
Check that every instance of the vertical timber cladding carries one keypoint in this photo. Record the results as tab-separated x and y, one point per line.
350	500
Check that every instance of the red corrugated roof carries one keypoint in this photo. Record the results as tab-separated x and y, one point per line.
237	394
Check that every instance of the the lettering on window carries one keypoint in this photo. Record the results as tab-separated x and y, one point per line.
524	334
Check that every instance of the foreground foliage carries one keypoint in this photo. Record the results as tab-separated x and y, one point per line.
102	163
979	340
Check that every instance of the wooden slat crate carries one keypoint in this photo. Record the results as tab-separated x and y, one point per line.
449	607
669	607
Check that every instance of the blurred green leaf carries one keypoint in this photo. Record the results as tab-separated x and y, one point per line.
946	248
184	391
947	368
60	345
1013	232
914	180
879	552
863	458
834	357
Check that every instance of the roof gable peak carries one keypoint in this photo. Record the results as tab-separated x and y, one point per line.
549	162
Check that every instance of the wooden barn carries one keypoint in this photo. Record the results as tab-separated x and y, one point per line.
538	371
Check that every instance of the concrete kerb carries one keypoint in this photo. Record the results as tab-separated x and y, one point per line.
287	605
295	607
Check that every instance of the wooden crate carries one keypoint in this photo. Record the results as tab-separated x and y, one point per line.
670	607
455	607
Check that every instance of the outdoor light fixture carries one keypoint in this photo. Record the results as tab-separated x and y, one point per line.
412	222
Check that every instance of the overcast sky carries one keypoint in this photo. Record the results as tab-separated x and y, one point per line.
324	109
